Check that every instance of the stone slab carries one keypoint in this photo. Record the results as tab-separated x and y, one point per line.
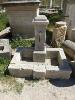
21	70
5	48
26	53
54	72
39	71
69	48
39	56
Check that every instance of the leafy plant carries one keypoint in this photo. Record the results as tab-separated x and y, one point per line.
3	21
3	65
21	43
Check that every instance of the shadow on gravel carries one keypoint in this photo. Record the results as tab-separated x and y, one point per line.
62	82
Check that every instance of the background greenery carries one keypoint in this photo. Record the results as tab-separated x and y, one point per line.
3	21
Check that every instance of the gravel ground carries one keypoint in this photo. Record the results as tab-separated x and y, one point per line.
43	90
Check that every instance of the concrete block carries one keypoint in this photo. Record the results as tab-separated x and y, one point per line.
39	71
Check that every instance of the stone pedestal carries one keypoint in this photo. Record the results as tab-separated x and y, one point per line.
40	23
69	12
20	15
59	33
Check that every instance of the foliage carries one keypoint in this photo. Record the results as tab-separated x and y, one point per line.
4	62
21	43
55	17
3	21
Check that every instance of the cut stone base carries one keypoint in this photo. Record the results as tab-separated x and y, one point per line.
54	72
39	71
21	70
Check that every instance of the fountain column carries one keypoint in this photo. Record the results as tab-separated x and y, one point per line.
40	23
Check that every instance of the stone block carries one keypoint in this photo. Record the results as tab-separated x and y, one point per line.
5	48
39	71
69	48
55	72
16	58
21	70
26	53
39	56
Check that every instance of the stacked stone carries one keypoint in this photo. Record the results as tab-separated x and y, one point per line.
40	24
59	33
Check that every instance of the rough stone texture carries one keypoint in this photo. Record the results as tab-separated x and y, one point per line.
5	48
54	72
69	13
26	53
16	58
59	33
39	56
73	68
39	71
58	68
21	70
40	24
5	32
21	16
62	70
69	48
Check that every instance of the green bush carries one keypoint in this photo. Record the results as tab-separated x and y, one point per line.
21	43
4	62
3	21
55	17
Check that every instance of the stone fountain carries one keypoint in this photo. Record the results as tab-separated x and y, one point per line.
40	62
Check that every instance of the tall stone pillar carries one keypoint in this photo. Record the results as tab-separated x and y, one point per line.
40	23
51	3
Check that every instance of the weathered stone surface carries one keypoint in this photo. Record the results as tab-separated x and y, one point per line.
39	71
69	48
56	72
62	70
39	56
69	12
21	16
16	58
26	53
5	48
59	33
40	24
21	70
